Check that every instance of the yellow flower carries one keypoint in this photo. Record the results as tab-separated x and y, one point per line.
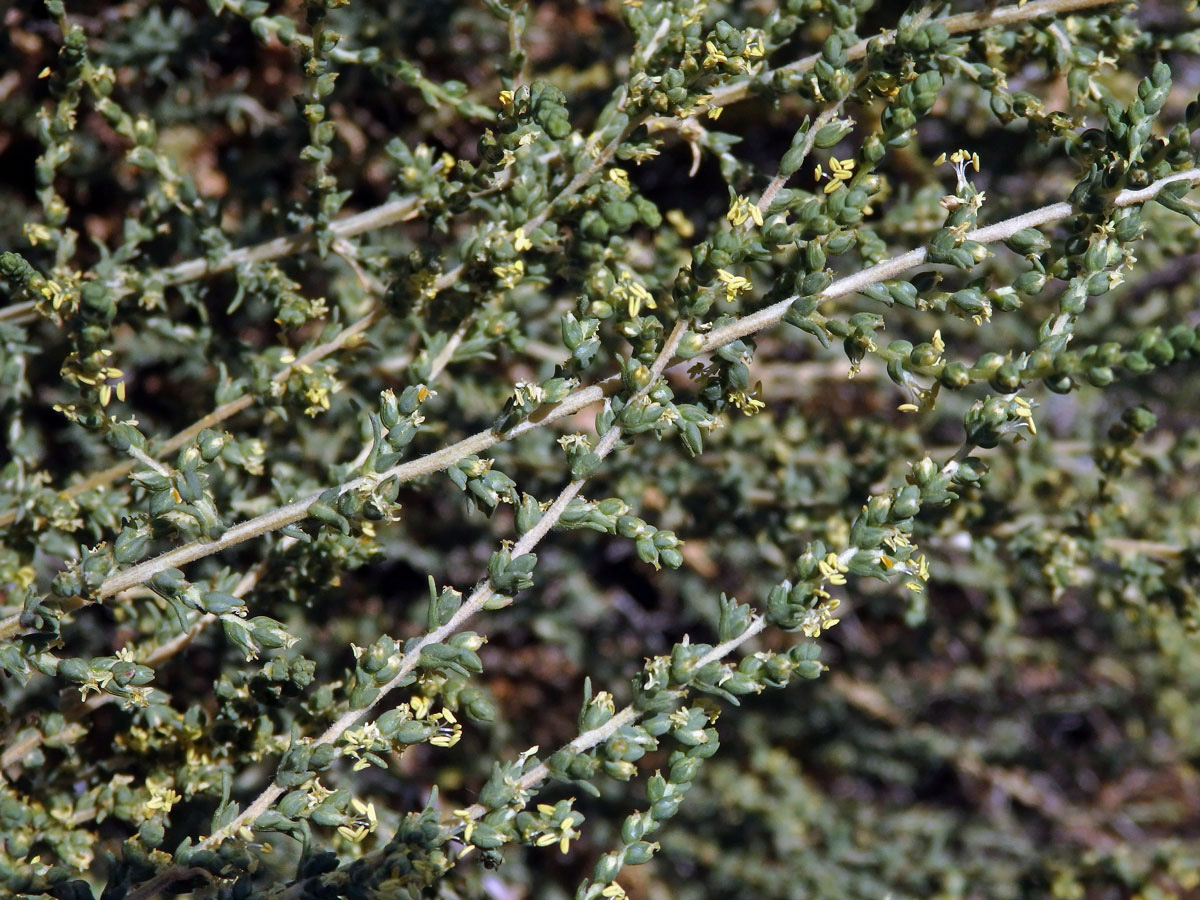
619	177
831	569
961	159
749	404
713	57
840	171
55	293
36	233
449	732
734	284
563	836
1025	411
742	209
509	273
633	293
820	618
162	798
317	396
354	833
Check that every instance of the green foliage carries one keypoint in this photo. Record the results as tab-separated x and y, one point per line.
317	309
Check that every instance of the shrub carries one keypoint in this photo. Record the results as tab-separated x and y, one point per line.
399	395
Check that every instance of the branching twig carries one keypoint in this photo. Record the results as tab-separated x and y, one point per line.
897	265
218	415
583	397
743	88
482	593
405	208
375	218
155	658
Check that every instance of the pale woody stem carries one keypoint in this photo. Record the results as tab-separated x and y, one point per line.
584	397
